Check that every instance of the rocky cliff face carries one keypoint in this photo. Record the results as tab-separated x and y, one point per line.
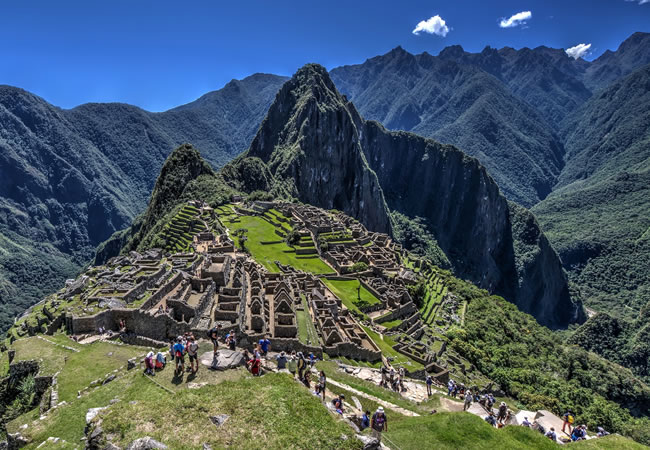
319	150
497	245
310	142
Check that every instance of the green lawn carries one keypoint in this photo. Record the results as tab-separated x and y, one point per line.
259	230
392	323
346	290
386	347
77	369
273	410
307	333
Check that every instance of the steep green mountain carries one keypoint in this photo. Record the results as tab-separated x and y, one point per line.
462	105
610	66
317	149
598	219
546	78
71	178
626	343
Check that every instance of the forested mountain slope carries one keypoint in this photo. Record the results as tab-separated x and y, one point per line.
70	178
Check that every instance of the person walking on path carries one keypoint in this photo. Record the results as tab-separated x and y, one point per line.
429	383
302	365
379	423
568	419
213	334
468	400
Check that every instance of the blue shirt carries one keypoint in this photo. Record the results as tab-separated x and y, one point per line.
264	343
178	347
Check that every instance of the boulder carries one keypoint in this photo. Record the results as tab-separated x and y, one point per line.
92	413
108	379
146	443
369	443
220	419
226	359
130	364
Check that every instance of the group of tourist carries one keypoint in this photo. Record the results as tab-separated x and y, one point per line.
188	345
392	379
577	433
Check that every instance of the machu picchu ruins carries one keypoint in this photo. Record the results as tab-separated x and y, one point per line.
339	283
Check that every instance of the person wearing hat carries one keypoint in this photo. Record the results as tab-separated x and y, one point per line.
526	422
282	360
379	423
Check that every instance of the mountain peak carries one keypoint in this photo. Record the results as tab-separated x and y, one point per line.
452	52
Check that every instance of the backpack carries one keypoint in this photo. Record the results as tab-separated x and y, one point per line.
569	418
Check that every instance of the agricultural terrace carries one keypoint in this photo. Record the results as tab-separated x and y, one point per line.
346	290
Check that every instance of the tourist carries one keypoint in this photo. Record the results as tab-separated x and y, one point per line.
338	403
551	434
149	364
171	349
450	387
429	382
281	360
122	326
491	401
322	383
160	310
192	352
525	423
302	365
384	376
579	433
379	423
306	380
179	355
312	359
365	421
468	400
232	341
601	432
503	413
292	363
490	419
213	334
391	376
265	345
402	372
255	367
161	362
568	419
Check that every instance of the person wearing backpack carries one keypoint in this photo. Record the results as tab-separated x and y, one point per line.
379	423
429	383
568	419
179	354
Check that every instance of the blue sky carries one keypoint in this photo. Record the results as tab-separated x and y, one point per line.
159	54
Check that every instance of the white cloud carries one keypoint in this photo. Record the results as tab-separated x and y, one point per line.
518	19
579	50
435	25
640	2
